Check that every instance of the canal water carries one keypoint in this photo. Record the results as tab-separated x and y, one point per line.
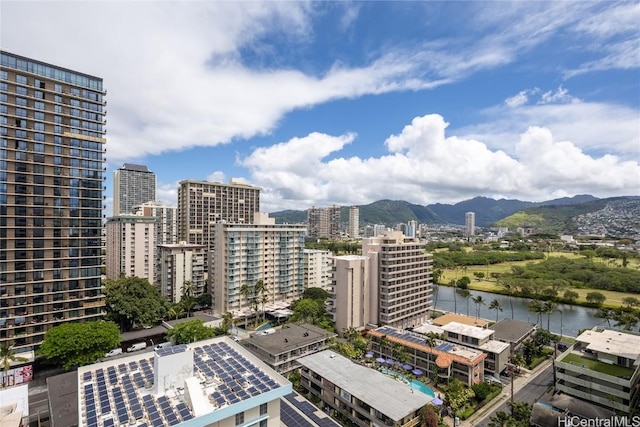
572	320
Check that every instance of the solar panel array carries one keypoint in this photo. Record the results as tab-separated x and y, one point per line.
445	347
121	395
402	335
171	350
237	378
294	419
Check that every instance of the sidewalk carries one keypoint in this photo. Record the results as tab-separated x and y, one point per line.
518	383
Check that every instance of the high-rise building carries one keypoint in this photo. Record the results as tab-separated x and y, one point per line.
131	247
402	275
51	198
246	253
166	227
324	222
412	228
133	185
470	224
201	204
352	293
317	267
180	263
354	222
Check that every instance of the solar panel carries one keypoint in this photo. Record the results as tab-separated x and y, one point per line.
309	410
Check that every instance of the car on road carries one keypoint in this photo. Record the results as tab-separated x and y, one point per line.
137	346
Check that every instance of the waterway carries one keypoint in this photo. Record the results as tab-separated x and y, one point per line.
568	320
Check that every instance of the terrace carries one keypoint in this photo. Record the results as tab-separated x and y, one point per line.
595	365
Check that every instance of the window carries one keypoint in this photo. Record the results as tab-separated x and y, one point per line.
21	90
38	105
38	94
263	409
21	79
21	101
240	418
263	423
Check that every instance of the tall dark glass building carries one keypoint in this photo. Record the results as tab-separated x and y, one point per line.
52	173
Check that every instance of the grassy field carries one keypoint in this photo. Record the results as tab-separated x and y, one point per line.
614	299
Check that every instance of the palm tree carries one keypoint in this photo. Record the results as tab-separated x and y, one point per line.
509	289
430	341
537	307
188	289
176	310
263	300
549	307
245	291
227	321
479	300
606	314
495	305
455	302
259	290
383	343
466	294
7	355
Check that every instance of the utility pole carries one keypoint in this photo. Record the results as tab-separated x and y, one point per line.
511	371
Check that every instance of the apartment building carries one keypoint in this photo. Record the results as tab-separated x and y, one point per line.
443	360
131	247
202	204
365	396
166	227
180	263
354	222
324	222
603	368
317	268
133	185
245	253
353	302
282	349
401	273
470	224
51	198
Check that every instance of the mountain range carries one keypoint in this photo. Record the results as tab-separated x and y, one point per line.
552	215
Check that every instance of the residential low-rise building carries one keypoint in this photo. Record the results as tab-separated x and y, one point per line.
365	396
282	349
514	332
448	360
602	367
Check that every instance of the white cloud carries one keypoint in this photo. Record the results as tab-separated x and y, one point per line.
519	99
217	176
167	193
424	165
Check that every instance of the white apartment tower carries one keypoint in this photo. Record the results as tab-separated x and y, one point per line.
133	185
317	268
354	297
166	227
180	263
403	275
245	253
470	224
202	204
354	222
131	246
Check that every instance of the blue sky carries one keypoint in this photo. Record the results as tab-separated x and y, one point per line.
352	102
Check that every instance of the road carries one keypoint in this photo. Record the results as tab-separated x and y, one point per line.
529	393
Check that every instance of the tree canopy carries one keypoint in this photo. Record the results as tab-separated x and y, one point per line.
134	301
77	344
190	331
315	293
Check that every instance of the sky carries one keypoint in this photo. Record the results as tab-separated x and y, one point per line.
321	103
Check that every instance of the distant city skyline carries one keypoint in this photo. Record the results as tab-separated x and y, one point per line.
322	103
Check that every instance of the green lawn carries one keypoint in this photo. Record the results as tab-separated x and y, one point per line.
613	370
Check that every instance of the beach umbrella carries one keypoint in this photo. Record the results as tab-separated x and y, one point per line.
407	367
390	361
381	360
437	402
417	372
369	354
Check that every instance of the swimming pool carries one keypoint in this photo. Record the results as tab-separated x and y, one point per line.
264	326
418	385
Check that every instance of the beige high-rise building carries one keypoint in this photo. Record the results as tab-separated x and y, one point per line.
131	246
202	204
324	222
166	227
470	224
353	294
354	222
180	263
246	253
317	267
403	272
133	185
51	198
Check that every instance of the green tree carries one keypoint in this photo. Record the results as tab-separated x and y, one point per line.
315	293
188	289
596	298
78	344
570	296
7	355
431	342
478	301
308	311
190	331
626	321
495	305
428	417
458	395
606	314
631	301
227	321
463	282
176	311
519	416
134	301
549	308
246	292
466	294
536	306
261	290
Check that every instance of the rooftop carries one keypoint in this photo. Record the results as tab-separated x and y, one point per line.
288	338
460	318
596	365
132	167
512	330
205	379
612	342
425	328
494	346
468	330
387	395
63	403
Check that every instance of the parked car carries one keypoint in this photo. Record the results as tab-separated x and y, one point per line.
114	352
137	346
163	345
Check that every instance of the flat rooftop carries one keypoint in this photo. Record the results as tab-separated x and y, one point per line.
494	346
288	338
512	330
122	391
425	328
612	342
387	395
460	318
468	330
